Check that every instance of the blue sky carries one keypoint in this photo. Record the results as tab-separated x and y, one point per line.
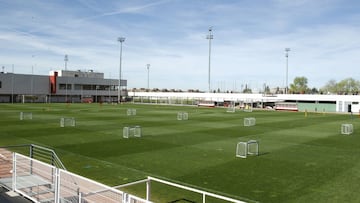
248	46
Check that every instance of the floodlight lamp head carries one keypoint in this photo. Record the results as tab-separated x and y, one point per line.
210	28
287	49
121	39
66	58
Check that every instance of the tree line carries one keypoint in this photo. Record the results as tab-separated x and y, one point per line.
348	86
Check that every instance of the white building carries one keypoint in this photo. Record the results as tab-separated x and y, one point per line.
90	86
303	102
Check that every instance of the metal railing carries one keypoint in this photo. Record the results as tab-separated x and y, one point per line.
42	182
40	153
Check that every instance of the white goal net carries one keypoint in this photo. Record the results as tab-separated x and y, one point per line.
249	121
132	131
248	106
64	122
182	116
249	148
26	116
231	107
347	129
131	112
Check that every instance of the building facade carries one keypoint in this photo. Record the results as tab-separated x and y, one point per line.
60	86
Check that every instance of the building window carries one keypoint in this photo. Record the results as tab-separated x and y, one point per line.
87	87
78	87
63	86
0	84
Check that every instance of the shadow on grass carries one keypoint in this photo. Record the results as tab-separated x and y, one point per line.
263	153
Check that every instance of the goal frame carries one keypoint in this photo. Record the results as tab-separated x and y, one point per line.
248	106
182	116
26	116
70	121
347	129
245	149
132	131
231	107
131	112
251	121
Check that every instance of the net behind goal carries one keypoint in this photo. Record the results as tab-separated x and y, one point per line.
231	107
249	121
26	116
347	129
249	148
248	106
131	112
64	122
182	116
132	131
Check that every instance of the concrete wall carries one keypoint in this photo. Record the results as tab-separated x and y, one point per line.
316	107
24	84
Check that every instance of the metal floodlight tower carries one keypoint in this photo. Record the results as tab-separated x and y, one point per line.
287	68
148	73
66	59
121	40
210	36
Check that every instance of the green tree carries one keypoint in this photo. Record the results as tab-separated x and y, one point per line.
299	85
346	86
330	87
314	90
247	90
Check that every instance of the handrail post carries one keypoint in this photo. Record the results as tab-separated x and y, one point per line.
148	190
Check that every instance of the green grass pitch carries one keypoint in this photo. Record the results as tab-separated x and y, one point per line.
302	159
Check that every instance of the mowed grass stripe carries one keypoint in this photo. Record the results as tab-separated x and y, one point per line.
301	157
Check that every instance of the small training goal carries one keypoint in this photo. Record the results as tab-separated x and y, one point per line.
347	129
231	107
249	148
131	112
67	122
26	116
249	121
248	105
132	131
182	116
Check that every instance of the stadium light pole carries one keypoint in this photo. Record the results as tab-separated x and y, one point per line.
121	40
209	37
287	68
66	59
12	84
32	79
148	73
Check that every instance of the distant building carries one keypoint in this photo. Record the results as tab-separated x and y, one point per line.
60	86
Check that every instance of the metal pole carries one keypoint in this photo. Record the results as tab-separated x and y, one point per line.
66	59
148	73
12	85
121	40
287	68
209	37
148	190
32	79
109	87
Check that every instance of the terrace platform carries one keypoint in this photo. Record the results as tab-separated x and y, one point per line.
7	196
